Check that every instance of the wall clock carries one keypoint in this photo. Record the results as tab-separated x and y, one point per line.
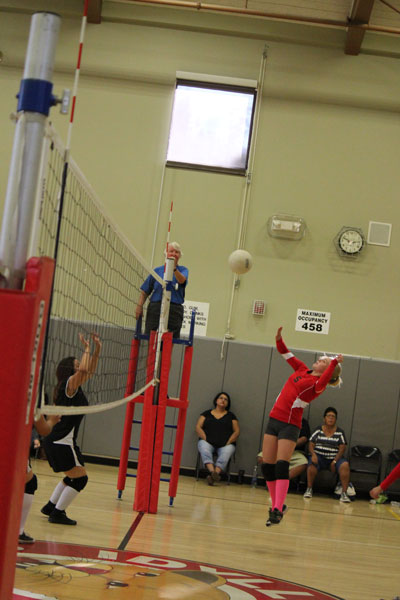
350	241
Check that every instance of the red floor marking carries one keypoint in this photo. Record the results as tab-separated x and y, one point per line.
65	569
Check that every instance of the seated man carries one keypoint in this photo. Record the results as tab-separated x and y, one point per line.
298	462
327	446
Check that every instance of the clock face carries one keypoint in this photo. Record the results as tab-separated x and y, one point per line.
351	241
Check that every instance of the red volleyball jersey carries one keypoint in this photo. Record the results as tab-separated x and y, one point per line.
391	478
300	389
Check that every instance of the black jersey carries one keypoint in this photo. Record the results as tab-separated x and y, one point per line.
66	430
218	431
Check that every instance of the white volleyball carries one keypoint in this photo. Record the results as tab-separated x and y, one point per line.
240	261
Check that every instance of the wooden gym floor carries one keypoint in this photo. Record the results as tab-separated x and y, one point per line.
349	551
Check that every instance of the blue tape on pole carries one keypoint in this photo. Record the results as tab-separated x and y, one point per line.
35	96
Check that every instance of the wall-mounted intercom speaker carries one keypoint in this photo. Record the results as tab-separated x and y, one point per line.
379	233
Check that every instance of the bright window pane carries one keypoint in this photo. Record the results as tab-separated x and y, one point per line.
211	127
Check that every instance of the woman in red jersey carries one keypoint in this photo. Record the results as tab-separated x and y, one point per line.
285	420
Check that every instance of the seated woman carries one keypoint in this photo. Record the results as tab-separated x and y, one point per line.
218	430
327	447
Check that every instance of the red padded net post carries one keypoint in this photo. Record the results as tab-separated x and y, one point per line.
180	428
130	407
142	489
23	324
160	424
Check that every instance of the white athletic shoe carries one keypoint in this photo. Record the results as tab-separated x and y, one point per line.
350	490
308	493
338	490
344	497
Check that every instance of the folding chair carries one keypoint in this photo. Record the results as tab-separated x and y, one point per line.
201	468
365	464
326	481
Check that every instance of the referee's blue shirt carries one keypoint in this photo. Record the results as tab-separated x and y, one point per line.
152	288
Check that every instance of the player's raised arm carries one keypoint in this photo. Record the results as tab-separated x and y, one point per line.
87	365
294	362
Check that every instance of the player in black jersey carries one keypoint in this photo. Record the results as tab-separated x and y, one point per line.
61	448
43	427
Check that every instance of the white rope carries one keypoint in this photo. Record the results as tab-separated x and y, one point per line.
89	410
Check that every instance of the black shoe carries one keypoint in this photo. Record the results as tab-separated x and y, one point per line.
23	538
275	517
60	517
48	508
284	510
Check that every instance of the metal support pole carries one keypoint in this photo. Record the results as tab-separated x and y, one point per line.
34	101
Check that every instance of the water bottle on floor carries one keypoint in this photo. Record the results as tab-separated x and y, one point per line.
254	477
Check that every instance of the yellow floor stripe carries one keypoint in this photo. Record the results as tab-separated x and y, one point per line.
395	515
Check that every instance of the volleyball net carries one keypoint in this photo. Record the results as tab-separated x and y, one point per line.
97	283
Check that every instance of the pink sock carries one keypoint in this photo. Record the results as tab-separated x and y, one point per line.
271	485
281	489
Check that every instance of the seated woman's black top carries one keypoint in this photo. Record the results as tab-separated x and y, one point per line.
218	431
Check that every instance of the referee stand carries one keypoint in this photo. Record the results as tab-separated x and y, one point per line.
155	401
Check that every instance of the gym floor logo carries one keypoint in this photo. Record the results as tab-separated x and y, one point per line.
63	571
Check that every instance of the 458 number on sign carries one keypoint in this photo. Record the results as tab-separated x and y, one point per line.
312	326
312	321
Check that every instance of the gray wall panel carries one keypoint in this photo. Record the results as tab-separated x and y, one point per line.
396	440
206	381
103	433
376	407
246	380
176	370
173	392
367	403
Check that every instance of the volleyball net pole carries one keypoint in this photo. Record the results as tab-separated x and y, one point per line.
34	101
166	297
65	173
24	310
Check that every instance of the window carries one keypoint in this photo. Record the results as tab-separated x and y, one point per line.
211	126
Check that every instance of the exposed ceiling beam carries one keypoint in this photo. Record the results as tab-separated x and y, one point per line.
94	11
360	15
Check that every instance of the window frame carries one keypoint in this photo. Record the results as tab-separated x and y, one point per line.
223	86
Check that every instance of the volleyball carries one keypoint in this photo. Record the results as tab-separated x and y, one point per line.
240	261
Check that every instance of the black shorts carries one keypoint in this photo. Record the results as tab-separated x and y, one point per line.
175	318
283	431
62	457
